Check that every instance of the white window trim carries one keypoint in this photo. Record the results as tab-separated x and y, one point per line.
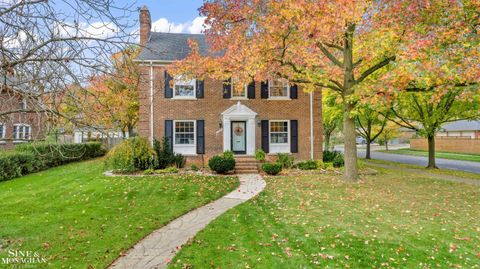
182	148
3	133
245	97
18	140
286	146
278	97
194	97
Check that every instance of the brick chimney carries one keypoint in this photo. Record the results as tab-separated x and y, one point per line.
145	25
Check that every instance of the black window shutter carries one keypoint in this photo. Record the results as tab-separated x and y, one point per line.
200	89
265	136
294	136
227	89
168	89
169	133
200	137
294	91
264	89
251	90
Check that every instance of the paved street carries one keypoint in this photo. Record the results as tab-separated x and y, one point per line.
467	166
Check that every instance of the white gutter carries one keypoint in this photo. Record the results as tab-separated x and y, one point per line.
155	62
311	126
151	103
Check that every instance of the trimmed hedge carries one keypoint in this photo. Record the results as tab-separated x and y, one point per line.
33	157
307	165
222	163
272	168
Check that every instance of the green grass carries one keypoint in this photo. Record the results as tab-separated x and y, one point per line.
449	172
438	154
391	220
77	218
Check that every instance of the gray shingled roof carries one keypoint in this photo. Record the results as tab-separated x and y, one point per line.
170	46
462	125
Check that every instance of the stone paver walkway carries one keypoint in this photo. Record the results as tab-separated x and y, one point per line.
428	174
158	248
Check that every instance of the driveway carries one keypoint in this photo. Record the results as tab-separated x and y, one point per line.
473	167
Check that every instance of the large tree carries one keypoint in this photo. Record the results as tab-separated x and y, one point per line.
332	44
48	46
438	73
108	101
427	112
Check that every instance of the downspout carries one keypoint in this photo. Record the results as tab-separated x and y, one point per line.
311	126
151	103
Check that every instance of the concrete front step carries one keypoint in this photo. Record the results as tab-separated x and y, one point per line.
246	167
247	172
242	160
246	164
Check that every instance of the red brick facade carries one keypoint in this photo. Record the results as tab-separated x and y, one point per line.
33	120
210	107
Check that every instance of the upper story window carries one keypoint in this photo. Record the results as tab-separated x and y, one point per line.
278	88
184	132
2	130
184	88
239	91
279	132
22	132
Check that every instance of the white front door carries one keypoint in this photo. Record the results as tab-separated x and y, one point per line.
239	137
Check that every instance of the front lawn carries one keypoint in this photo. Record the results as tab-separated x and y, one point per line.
438	154
447	172
77	218
392	220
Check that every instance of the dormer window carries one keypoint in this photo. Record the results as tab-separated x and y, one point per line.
278	88
184	88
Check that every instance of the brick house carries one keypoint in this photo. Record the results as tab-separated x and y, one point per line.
20	126
204	118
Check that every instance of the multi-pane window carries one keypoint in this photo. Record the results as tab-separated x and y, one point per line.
2	131
184	88
239	90
21	131
184	132
278	88
279	132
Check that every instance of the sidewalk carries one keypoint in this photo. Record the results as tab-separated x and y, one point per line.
159	248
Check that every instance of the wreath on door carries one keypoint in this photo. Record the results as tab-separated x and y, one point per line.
238	130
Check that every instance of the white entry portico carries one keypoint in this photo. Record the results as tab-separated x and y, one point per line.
239	113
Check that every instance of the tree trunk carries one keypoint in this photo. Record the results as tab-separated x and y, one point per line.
351	172
367	154
431	151
386	145
349	131
130	130
327	141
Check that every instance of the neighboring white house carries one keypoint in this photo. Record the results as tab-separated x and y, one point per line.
81	135
461	128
